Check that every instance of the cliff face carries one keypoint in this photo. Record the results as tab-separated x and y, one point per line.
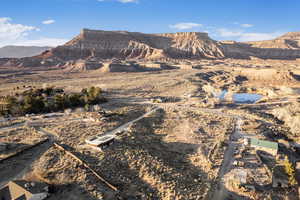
128	45
191	45
92	45
284	47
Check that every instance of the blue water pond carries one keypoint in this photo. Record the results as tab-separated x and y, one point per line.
242	97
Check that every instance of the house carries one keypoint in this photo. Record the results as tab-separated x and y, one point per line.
23	190
263	145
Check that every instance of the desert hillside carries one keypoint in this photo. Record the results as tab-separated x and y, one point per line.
21	51
96	47
178	46
129	45
285	47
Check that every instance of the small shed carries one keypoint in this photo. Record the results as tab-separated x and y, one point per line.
263	145
101	140
23	190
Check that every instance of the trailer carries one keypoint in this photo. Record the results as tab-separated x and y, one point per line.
101	141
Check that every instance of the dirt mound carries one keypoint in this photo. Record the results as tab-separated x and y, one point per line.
269	75
130	67
116	67
290	115
82	65
286	47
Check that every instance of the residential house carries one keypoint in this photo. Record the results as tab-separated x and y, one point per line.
23	190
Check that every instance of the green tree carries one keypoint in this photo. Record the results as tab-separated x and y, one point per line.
75	100
61	102
33	104
94	95
290	171
14	108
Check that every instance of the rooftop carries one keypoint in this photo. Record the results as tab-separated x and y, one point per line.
21	189
264	143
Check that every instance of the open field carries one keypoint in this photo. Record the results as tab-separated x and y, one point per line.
185	149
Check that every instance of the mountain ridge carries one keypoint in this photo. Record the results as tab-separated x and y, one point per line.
13	51
102	46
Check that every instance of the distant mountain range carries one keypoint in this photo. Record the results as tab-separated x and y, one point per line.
97	46
21	51
123	45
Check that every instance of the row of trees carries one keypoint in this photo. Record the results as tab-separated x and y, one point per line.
51	100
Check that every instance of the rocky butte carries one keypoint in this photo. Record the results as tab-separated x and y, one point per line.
131	45
99	46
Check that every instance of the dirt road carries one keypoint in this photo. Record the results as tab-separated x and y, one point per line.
125	126
17	166
11	127
221	193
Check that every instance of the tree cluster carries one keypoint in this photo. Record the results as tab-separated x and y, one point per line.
50	99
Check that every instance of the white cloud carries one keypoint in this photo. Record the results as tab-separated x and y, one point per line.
9	31
223	32
50	21
243	36
184	26
17	34
259	36
247	25
42	42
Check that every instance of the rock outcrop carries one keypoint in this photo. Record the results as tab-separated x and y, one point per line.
128	45
82	65
284	47
92	46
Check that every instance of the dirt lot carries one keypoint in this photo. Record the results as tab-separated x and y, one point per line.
175	153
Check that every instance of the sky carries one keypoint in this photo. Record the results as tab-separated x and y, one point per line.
54	22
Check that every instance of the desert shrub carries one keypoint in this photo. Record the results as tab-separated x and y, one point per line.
61	102
87	107
14	108
290	171
75	100
93	95
84	91
49	91
51	99
33	104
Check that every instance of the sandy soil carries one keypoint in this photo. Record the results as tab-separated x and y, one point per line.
175	153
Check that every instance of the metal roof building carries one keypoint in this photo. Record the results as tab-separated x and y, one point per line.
23	190
270	147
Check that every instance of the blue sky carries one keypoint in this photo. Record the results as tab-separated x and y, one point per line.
53	22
